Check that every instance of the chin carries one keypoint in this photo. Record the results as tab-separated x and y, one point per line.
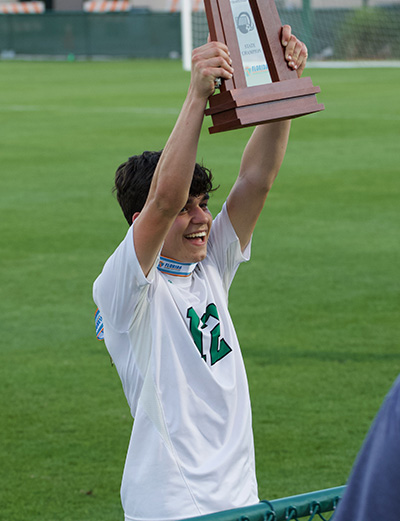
198	257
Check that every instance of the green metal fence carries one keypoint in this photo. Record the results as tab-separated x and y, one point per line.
337	33
313	506
137	34
344	34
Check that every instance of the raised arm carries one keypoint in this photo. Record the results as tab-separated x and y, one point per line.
262	157
170	186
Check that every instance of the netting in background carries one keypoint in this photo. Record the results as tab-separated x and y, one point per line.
367	32
140	34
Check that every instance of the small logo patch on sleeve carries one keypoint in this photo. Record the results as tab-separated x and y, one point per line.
99	325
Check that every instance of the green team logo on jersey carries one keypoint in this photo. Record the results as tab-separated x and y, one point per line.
218	347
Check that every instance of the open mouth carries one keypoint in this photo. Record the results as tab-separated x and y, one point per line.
197	237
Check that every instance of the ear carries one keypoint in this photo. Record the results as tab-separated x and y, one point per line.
135	216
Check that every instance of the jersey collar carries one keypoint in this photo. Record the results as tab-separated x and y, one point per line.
176	268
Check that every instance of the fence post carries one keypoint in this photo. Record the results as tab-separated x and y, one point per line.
307	22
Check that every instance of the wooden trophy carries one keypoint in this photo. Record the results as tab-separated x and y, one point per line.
263	87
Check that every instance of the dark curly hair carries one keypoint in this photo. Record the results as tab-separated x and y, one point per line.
133	179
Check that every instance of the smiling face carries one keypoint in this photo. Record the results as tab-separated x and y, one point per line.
187	239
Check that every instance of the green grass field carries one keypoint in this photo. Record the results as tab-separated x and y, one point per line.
317	309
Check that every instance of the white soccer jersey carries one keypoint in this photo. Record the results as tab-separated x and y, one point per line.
175	348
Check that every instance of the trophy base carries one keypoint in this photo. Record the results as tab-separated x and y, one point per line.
245	107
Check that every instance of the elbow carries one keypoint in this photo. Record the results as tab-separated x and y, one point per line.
260	185
168	203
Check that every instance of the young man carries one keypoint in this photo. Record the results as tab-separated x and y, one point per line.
163	297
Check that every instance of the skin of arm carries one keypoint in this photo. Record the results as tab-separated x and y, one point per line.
261	160
170	186
263	156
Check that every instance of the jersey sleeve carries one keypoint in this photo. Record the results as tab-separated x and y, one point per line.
224	248
122	285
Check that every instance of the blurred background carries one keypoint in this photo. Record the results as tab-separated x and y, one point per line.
332	29
83	86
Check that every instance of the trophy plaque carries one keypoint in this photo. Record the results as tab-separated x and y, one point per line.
263	87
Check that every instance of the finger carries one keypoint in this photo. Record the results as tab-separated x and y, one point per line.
218	73
302	60
297	50
209	62
290	48
217	65
213	49
299	54
300	51
294	56
286	34
214	56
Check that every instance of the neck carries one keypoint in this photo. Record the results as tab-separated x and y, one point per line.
176	268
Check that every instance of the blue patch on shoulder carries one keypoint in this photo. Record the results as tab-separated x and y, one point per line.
99	325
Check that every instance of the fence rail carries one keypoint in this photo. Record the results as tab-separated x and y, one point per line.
311	505
337	34
136	34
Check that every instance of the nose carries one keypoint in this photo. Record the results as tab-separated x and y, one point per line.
198	215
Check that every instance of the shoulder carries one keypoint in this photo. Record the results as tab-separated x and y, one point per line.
222	228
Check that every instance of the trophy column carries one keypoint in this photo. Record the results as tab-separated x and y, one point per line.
263	87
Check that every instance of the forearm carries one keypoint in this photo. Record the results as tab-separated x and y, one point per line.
170	186
260	165
173	176
263	156
266	149
169	190
174	172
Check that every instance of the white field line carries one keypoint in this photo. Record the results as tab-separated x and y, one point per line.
362	64
90	110
157	111
330	113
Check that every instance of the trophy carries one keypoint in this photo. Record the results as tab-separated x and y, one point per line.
263	87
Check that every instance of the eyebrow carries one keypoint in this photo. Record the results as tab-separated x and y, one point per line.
204	198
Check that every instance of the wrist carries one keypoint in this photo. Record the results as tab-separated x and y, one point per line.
199	94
